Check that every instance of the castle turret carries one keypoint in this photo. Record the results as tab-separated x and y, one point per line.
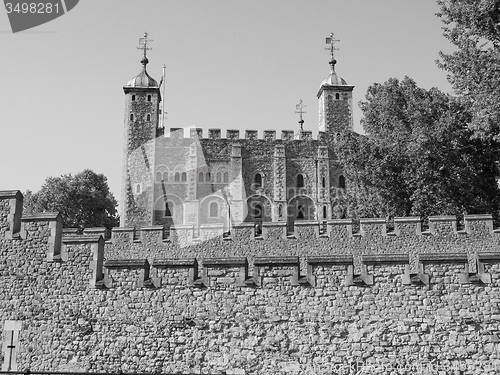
142	98
335	99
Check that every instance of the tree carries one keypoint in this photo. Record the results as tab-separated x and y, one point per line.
84	200
474	27
418	156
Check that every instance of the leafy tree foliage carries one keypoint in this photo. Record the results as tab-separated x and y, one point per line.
417	157
84	200
473	26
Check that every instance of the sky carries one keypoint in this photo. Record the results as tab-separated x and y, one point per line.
230	64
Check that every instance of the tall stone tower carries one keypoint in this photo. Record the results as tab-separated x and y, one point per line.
142	99
335	99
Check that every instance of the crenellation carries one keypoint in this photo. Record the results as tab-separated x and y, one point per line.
478	224
196	133
233	134
407	226
214	133
340	229
373	227
274	231
306	229
445	225
13	203
270	135
287	135
251	135
306	135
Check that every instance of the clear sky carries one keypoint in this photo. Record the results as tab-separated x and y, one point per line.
231	64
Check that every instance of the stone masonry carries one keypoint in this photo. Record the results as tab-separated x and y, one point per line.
274	302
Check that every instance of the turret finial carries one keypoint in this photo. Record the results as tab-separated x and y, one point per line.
300	110
144	46
331	40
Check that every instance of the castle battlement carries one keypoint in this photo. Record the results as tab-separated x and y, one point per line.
234	134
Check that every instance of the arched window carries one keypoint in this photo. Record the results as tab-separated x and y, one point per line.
300	212
133	97
149	98
131	117
138	188
169	209
158	176
337	96
218	177
324	212
207	177
280	210
148	117
258	180
226	177
214	210
184	177
177	177
341	182
300	181
201	177
323	182
165	176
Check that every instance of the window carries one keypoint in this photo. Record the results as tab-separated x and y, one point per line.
300	181
214	210
226	177
131	117
207	177
149	98
323	182
138	189
218	177
324	212
337	96
133	97
184	177
169	209
300	212
257	211
341	182
165	176
280	211
148	117
258	180
177	177
201	177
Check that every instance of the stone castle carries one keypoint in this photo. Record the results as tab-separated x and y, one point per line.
292	295
198	181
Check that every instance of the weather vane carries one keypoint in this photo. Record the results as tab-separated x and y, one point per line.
144	43
300	110
331	41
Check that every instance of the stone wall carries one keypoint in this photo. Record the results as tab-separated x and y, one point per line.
199	301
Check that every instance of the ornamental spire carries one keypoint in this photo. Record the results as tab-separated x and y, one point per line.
143	42
331	40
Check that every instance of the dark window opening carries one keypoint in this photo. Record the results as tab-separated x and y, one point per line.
177	177
226	177
337	96
342	182
300	212
131	117
300	181
169	209
148	117
133	98
149	98
208	177
258	180
201	177
324	212
280	211
165	176
323	182
184	177
218	177
138	188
